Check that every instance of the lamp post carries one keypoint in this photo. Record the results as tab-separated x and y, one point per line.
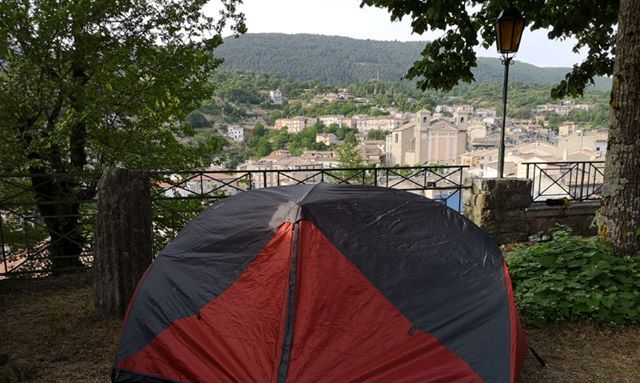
509	27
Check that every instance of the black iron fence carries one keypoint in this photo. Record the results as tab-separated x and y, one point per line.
47	222
578	180
179	196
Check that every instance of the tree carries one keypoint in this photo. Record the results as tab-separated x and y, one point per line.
259	130
376	134
88	84
349	156
197	120
610	32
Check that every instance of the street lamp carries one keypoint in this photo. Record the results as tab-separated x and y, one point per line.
509	27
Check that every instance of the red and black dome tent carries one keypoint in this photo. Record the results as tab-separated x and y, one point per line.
324	283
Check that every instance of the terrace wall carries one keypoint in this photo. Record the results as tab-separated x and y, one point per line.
505	209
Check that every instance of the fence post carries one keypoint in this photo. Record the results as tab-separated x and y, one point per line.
124	238
498	206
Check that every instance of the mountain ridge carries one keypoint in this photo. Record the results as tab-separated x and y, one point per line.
337	60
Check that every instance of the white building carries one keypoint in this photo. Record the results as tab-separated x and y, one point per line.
235	132
335	119
366	123
327	138
276	97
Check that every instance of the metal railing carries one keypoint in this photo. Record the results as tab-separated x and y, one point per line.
575	180
179	196
40	231
41	227
223	183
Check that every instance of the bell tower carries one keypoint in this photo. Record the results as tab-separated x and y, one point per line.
421	135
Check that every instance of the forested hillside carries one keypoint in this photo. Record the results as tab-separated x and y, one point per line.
238	94
243	98
338	60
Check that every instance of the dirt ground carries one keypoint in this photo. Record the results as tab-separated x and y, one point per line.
49	334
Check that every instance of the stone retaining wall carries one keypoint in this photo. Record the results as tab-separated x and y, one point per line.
504	208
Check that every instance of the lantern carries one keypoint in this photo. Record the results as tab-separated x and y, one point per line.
509	27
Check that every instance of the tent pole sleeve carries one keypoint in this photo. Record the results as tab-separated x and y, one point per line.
291	307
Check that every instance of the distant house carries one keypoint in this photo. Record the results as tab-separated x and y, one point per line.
236	133
327	138
445	109
477	131
567	128
575	147
276	97
562	108
295	124
590	140
331	97
336	119
372	152
366	123
344	94
282	161
468	109
486	113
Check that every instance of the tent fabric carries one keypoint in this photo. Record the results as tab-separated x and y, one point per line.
324	283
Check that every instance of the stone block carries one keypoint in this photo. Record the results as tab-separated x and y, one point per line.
509	237
515	200
578	216
501	185
503	224
503	216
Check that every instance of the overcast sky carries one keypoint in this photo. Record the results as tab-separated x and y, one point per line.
346	18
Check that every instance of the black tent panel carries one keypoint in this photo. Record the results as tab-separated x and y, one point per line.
439	269
204	260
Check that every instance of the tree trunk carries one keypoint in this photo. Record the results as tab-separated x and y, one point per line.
619	217
58	205
124	239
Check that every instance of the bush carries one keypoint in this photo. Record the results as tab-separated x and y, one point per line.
574	278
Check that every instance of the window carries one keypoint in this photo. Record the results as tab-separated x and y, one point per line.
396	137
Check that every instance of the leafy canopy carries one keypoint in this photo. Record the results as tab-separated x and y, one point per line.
85	84
448	60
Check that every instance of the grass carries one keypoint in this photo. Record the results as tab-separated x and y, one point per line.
49	334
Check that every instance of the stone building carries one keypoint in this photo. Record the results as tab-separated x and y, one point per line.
425	140
295	124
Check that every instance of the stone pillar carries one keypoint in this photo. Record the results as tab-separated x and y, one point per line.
498	206
124	239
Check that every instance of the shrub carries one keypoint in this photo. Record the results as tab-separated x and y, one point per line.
574	278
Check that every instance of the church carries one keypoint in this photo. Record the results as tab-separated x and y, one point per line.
427	140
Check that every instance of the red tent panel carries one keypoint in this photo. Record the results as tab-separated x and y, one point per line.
236	337
518	341
347	331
